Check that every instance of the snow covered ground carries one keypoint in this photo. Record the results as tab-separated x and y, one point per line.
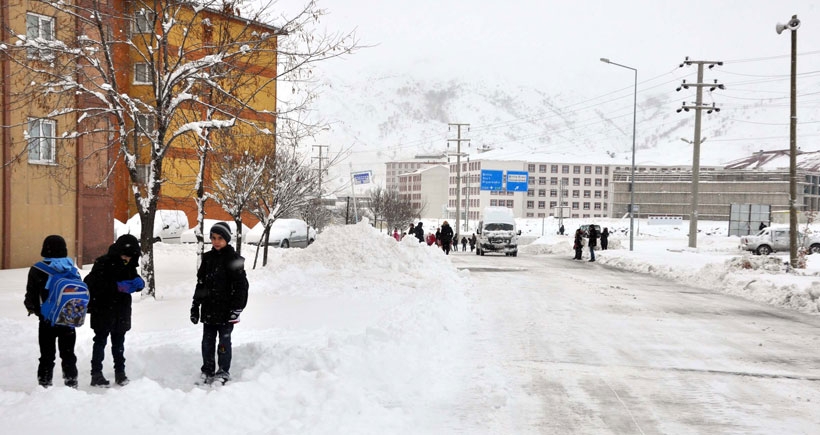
356	334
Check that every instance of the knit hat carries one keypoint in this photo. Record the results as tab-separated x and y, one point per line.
223	230
54	247
128	245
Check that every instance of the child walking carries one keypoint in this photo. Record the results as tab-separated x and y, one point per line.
111	281
220	296
54	253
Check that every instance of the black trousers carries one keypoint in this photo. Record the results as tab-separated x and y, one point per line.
117	349
65	337
223	352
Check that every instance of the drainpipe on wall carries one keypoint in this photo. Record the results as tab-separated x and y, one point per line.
6	120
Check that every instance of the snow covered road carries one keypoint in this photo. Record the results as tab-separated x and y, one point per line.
581	348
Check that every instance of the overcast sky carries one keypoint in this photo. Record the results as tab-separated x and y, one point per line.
555	44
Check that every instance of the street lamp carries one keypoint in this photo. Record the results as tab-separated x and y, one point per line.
632	172
792	25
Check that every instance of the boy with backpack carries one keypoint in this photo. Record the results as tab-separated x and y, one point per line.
42	293
111	281
220	296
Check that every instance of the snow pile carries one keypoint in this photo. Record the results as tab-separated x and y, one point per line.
357	331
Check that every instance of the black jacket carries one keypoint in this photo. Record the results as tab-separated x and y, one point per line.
446	235
109	308
36	291
221	285
419	232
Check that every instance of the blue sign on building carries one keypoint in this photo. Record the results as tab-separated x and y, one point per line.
492	179
517	181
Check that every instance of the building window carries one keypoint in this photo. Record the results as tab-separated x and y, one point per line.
576	169
576	181
531	179
575	206
542	180
554	169
553	204
41	141
587	194
554	181
598	182
144	21
39	28
542	192
565	169
529	215
542	204
587	182
597	206
145	124
598	194
576	194
542	168
510	203
493	202
553	193
586	206
531	167
599	170
587	169
530	192
142	75
530	204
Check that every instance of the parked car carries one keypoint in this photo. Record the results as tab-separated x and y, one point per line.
189	235
284	233
775	239
168	226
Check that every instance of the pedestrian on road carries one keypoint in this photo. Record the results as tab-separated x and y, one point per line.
446	237
593	241
464	243
396	234
578	244
419	232
604	238
561	230
473	241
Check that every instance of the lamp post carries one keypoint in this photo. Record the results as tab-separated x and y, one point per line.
792	25
632	171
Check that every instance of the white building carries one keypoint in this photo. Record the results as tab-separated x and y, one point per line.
426	190
394	169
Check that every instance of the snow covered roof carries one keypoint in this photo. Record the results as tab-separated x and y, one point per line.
777	159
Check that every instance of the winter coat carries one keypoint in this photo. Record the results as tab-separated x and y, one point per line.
593	237
109	308
419	232
221	285
446	235
604	236
579	240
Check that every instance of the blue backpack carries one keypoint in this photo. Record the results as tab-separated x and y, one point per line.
68	297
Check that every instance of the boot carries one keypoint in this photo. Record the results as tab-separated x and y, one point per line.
120	378
220	377
98	380
44	381
71	382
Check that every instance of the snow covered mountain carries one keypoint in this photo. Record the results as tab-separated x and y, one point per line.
384	117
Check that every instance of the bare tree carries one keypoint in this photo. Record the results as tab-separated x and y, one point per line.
178	62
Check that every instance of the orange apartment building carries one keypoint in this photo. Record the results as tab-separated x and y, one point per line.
66	185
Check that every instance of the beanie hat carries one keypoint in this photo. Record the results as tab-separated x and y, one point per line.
223	230
54	247
128	245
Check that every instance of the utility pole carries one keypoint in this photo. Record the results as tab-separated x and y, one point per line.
792	25
560	202
458	167
698	107
320	159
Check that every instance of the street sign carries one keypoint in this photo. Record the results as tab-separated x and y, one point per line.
362	177
491	179
517	181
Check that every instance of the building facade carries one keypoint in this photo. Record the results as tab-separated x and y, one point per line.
425	190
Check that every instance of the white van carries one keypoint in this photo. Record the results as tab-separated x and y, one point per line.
168	226
496	232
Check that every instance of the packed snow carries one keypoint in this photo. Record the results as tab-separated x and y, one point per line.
356	334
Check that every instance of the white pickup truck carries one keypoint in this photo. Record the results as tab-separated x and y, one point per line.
770	240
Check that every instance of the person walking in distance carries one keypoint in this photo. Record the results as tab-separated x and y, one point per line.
464	243
112	280
220	296
396	234
604	239
578	244
593	241
55	255
446	237
419	232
